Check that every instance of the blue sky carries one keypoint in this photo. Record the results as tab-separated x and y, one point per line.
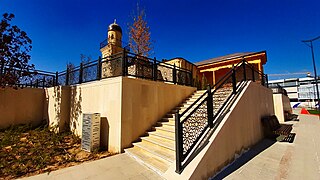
61	30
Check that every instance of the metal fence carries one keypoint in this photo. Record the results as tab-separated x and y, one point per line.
26	78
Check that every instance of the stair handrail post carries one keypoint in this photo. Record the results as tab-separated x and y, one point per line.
234	80
81	73
124	63
174	74
37	83
179	142
252	70
155	69
99	65
210	106
244	69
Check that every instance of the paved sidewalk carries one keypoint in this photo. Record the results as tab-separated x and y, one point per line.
120	166
280	160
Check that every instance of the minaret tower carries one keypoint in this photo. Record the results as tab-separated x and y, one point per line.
114	45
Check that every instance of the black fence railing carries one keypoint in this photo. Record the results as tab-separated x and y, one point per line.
121	64
125	64
27	78
204	113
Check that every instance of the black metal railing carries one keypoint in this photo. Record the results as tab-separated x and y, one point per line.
125	64
202	115
27	78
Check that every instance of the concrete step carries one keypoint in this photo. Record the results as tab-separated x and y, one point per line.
148	159
159	151
167	123
163	142
165	128
163	134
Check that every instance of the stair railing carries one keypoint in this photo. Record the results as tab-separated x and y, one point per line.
192	123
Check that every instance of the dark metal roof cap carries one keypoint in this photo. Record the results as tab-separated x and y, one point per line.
114	27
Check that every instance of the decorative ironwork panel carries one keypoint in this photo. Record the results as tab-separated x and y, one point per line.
165	73
112	67
139	67
220	96
193	126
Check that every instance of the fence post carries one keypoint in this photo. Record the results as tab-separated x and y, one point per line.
37	83
174	74
155	69
1	69
252	70
124	63
99	65
210	106
234	80
43	81
267	80
81	73
179	142
57	76
67	76
244	70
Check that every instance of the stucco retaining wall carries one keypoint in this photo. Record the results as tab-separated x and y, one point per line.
128	107
281	105
145	102
21	106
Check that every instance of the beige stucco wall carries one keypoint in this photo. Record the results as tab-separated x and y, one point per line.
21	106
102	97
128	107
57	107
145	102
240	129
281	104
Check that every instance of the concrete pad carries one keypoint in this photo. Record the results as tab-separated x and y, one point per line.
280	160
120	166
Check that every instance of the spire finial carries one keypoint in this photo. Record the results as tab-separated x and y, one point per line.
115	21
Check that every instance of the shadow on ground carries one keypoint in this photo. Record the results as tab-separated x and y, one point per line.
244	158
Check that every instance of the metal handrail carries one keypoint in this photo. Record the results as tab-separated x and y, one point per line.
180	155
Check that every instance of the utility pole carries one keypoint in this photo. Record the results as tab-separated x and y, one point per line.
314	65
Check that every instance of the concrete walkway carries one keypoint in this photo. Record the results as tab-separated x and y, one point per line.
267	160
115	167
281	160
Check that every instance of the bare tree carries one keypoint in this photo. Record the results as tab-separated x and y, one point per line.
87	72
139	34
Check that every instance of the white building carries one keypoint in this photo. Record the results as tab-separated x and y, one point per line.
299	90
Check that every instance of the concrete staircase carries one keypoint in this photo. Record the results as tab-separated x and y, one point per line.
157	149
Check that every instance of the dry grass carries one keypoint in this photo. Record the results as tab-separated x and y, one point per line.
25	151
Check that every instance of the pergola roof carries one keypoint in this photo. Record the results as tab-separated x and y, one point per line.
227	57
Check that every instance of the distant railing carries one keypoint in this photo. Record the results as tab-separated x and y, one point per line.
203	114
28	78
277	89
125	64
